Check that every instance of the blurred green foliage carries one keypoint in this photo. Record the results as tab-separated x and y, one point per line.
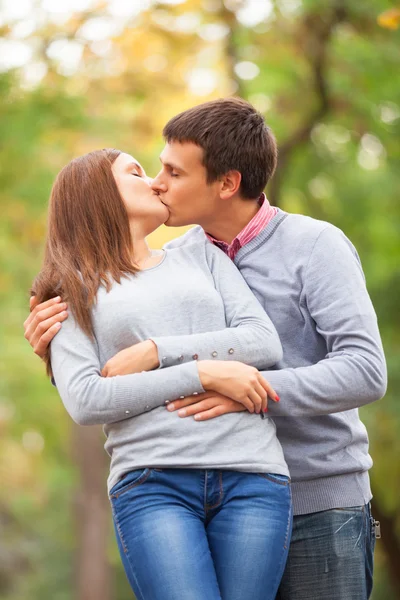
324	74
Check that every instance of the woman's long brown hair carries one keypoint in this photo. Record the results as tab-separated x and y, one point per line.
88	240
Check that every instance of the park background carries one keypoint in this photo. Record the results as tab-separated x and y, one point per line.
76	75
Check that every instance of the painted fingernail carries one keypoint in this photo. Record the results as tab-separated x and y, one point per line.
171	407
182	412
277	398
266	409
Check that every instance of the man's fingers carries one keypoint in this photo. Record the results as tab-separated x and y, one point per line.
44	341
45	331
38	308
41	321
217	411
182	402
32	302
193	409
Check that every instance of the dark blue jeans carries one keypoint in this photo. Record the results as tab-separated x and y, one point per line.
189	534
330	556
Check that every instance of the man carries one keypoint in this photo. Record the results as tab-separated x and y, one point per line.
308	277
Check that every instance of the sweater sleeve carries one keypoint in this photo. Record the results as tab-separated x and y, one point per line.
250	337
353	371
91	399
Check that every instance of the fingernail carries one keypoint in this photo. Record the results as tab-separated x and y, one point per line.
57	299
266	409
57	325
171	407
197	417
277	398
182	412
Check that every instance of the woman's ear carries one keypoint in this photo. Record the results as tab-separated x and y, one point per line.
230	184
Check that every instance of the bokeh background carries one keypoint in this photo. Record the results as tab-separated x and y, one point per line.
76	75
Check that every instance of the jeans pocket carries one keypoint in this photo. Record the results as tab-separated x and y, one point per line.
129	481
276	478
349	509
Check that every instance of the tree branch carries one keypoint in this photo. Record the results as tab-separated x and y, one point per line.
318	32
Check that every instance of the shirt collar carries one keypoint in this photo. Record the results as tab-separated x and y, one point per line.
260	220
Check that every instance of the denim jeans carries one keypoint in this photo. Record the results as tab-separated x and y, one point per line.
330	556
190	534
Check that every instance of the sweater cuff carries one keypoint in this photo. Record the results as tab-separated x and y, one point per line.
169	354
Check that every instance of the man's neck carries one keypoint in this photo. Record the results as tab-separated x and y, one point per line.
230	221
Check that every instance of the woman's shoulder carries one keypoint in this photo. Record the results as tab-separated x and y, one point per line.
194	236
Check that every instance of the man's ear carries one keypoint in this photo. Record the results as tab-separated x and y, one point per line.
230	184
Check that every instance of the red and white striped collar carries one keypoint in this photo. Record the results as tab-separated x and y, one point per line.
260	220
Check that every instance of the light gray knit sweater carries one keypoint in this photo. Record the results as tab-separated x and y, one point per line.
197	296
308	276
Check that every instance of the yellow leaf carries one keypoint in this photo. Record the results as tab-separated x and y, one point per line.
390	19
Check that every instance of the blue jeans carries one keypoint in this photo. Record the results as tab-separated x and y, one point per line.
330	556
202	535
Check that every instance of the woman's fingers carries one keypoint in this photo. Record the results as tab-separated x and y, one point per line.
269	389
256	399
263	395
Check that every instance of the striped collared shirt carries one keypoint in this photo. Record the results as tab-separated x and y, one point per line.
252	229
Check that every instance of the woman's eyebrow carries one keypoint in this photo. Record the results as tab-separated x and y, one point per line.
134	164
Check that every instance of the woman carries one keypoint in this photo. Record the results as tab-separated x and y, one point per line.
201	510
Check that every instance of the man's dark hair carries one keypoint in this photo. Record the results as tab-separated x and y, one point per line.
233	136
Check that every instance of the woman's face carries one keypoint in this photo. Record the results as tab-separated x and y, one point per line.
142	204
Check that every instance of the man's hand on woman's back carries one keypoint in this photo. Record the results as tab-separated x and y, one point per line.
43	323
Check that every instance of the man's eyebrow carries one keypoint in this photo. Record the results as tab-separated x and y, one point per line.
171	165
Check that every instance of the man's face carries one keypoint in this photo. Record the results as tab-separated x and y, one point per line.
183	188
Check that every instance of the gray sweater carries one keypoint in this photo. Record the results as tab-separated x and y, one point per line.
308	276
195	295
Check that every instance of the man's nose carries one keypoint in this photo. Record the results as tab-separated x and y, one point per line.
158	185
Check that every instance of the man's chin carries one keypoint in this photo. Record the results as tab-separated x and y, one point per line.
173	221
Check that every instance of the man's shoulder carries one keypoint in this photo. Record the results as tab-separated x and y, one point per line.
306	231
304	225
194	236
309	236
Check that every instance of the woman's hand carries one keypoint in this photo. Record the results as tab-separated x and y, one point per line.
238	382
135	359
